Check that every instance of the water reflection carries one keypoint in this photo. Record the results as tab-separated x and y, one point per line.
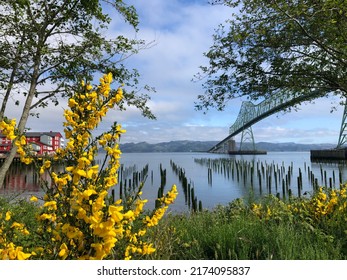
23	180
21	177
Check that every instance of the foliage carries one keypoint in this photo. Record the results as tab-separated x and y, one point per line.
299	228
78	219
288	47
17	220
59	43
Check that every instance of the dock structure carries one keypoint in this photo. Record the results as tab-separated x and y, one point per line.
247	152
3	157
329	154
229	147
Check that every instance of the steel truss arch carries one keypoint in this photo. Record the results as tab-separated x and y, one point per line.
250	113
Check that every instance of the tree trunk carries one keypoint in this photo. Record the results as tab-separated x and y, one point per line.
23	120
6	165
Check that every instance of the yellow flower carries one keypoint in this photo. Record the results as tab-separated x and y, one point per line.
321	195
51	217
139	206
47	164
64	251
72	103
82	214
115	213
33	199
69	168
88	193
25	231
8	216
16	225
99	252
148	249
88	223
170	196
22	140
81	172
23	256
129	215
51	205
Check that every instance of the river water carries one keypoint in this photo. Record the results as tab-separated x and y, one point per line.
214	178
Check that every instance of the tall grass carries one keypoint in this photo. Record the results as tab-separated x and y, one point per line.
235	232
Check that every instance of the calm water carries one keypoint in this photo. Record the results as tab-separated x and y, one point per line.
216	179
219	179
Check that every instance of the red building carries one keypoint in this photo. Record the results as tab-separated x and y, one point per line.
41	142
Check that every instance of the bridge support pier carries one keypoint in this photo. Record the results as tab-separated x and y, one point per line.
247	138
231	145
247	144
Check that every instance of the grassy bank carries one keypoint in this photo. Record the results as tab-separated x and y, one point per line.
297	229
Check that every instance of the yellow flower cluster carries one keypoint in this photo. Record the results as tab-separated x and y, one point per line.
135	245
11	252
22	150
77	214
8	127
263	212
9	231
324	203
170	197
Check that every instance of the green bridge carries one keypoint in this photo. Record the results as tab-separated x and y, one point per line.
252	113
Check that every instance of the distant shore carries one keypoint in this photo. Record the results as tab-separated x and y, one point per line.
204	146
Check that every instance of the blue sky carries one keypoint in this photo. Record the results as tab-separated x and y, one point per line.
182	31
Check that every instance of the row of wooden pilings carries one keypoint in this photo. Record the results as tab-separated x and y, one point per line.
129	186
162	185
268	177
188	188
21	177
130	180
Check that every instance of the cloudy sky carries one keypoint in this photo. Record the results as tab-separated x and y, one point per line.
182	30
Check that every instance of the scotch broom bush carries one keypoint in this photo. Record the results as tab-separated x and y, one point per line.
78	219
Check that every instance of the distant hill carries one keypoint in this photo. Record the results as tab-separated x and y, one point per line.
203	146
292	147
172	146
